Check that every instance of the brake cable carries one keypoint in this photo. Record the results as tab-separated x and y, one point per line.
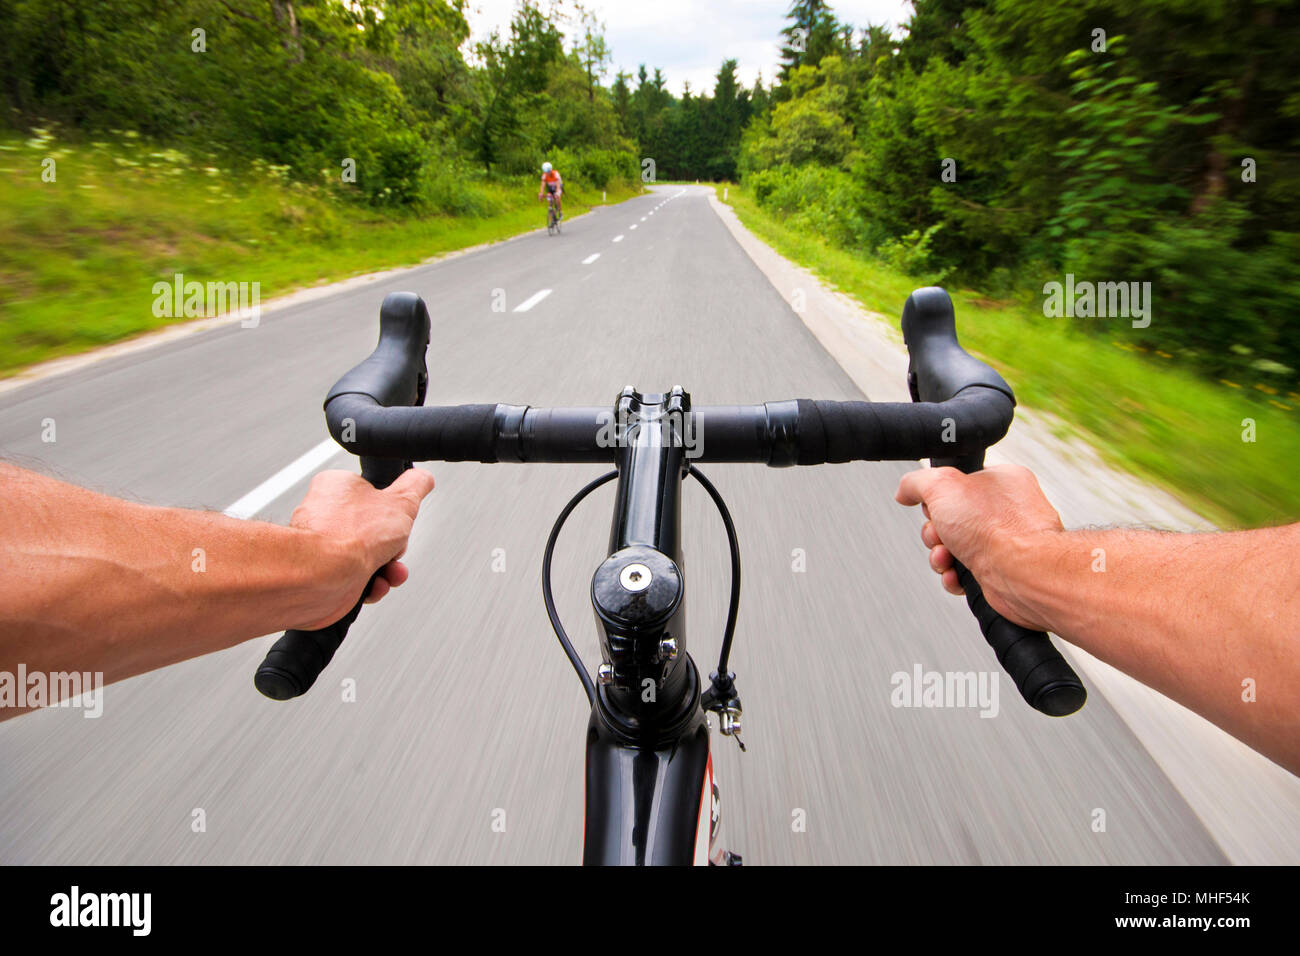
721	696
734	608
549	598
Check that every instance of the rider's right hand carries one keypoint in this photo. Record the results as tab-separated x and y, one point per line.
992	521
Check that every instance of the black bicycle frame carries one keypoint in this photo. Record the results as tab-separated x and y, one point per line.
647	741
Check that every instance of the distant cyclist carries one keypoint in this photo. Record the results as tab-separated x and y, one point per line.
553	184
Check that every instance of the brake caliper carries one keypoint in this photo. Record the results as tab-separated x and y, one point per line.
721	699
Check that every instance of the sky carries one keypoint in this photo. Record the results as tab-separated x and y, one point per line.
689	39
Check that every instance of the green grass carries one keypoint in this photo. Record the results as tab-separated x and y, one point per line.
1139	410
79	256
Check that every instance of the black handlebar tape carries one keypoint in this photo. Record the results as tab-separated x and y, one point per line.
449	433
1044	678
294	662
835	432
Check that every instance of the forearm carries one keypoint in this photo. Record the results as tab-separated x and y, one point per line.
1203	618
93	584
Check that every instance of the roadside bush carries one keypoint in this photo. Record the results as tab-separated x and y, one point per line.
913	255
391	173
1231	310
448	189
821	199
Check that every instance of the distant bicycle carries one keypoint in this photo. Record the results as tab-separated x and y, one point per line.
553	186
552	218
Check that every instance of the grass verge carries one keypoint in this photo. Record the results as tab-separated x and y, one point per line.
80	252
1140	411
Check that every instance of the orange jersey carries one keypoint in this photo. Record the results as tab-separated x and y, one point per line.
552	178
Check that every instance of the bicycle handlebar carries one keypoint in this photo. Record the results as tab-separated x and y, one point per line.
793	432
960	407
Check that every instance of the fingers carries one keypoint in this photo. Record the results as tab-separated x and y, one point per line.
391	575
940	559
395	573
378	588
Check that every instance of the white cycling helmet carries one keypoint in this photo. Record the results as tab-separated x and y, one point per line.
546	167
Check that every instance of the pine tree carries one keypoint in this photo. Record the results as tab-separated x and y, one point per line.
809	36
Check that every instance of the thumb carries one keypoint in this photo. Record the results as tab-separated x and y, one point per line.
915	487
411	487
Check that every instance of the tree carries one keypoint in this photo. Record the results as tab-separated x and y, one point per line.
726	117
535	44
810	35
759	98
592	51
621	94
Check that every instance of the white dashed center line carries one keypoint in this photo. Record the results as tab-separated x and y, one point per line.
591	258
532	300
633	226
618	238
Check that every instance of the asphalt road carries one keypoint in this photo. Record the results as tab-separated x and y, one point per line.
465	703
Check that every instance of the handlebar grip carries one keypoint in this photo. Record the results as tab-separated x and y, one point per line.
1044	678
295	661
394	374
938	368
